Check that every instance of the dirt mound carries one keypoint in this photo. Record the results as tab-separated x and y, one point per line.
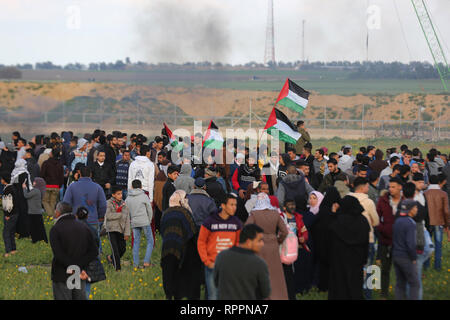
205	102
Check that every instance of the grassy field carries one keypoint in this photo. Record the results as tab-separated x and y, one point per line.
141	284
321	81
342	87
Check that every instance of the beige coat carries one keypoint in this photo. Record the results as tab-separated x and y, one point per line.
370	212
117	221
275	231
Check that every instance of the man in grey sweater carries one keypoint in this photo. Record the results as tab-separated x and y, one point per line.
235	282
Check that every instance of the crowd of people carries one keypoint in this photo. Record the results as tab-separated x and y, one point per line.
229	227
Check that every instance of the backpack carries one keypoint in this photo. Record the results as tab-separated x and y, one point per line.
7	203
289	248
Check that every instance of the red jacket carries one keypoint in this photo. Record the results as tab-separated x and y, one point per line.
301	228
387	218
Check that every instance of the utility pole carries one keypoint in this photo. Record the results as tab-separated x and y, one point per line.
303	40
269	53
250	114
362	121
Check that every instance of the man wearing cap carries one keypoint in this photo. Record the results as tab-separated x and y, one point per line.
303	139
424	247
404	254
201	204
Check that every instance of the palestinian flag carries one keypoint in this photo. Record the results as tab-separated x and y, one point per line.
174	143
293	96
213	139
278	121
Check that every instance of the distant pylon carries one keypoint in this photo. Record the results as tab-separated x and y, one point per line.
269	53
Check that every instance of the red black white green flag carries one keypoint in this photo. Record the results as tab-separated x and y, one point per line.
278	121
293	96
174	143
213	139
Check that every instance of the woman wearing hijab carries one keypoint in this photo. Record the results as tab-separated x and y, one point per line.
275	231
23	223
20	167
349	250
180	262
315	199
34	201
306	271
321	234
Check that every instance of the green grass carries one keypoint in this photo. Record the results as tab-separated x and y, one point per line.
322	86
140	284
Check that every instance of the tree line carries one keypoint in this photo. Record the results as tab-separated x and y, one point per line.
353	70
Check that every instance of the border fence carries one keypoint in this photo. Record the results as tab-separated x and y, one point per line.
149	122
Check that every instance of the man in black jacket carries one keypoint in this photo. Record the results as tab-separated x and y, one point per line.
73	246
169	188
103	173
111	151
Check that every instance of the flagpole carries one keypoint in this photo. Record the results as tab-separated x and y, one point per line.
250	113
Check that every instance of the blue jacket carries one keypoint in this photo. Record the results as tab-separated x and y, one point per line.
404	238
86	193
202	206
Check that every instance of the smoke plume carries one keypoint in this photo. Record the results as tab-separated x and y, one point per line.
178	31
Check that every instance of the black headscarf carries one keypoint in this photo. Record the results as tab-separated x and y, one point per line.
23	177
331	196
350	225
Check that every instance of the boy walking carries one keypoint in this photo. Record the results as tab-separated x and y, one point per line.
117	220
218	232
404	251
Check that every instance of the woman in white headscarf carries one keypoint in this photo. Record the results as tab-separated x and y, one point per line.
180	261
21	167
275	231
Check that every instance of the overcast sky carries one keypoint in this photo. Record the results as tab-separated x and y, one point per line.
229	31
